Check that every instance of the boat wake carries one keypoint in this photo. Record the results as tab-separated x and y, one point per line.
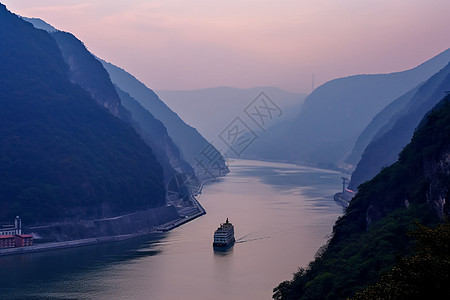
245	241
245	238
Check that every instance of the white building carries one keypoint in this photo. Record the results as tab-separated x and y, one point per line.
11	228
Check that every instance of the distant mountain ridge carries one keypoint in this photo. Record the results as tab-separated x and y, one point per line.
335	114
195	149
40	24
210	110
398	130
378	122
154	133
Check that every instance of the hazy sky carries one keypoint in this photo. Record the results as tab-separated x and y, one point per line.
174	44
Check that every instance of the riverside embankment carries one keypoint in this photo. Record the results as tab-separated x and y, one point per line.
142	223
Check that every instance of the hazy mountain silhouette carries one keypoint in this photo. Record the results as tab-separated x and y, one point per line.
154	133
191	144
398	130
378	122
89	73
211	110
336	113
40	24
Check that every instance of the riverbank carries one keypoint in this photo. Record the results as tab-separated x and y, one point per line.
171	225
105	239
66	244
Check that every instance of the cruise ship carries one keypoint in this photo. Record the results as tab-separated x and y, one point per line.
224	235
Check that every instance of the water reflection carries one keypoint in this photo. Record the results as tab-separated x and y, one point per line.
282	214
18	270
223	251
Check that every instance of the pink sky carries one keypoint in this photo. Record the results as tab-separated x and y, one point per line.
174	44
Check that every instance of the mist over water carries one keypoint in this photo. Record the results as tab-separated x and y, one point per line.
282	214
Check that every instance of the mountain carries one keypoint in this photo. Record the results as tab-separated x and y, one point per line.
62	155
399	128
336	113
154	133
198	152
88	72
40	24
371	238
378	122
211	110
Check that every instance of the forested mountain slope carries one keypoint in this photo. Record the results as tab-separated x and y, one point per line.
62	155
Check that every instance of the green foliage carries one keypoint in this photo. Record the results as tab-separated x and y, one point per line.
371	237
424	275
356	260
62	156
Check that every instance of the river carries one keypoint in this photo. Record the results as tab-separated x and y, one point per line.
282	214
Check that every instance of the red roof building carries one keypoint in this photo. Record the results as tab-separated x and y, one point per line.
7	241
23	240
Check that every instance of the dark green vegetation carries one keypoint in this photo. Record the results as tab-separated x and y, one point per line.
372	234
423	275
63	156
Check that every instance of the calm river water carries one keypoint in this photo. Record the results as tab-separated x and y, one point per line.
282	214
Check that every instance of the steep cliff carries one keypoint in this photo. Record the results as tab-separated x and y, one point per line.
195	149
89	73
154	133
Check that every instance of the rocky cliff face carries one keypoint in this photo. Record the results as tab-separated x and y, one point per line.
438	173
421	175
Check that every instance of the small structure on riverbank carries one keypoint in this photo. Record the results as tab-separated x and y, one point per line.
343	198
7	241
11	228
11	235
